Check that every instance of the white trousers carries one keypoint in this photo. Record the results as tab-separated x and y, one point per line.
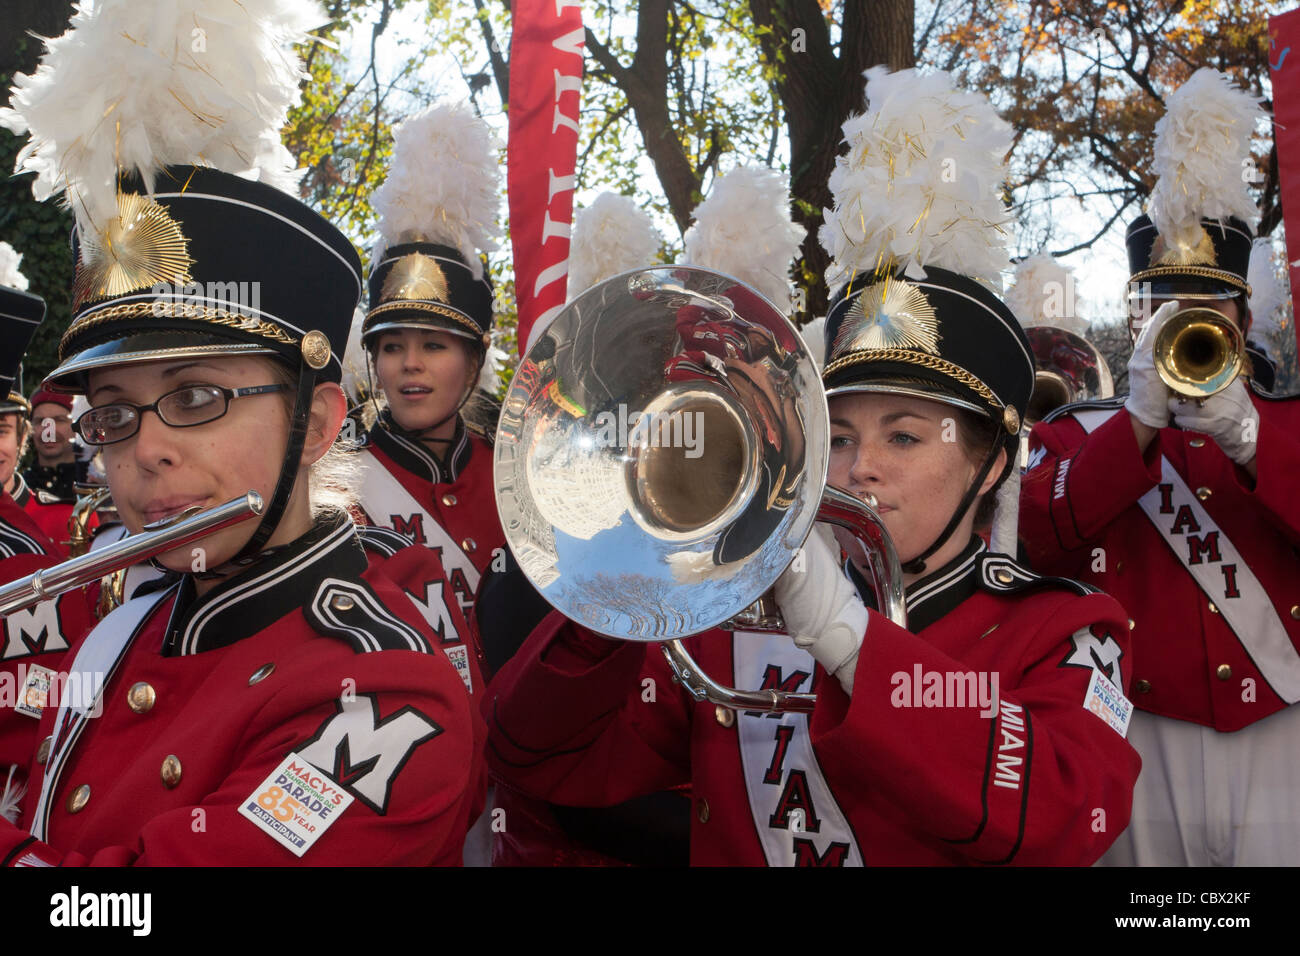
1210	799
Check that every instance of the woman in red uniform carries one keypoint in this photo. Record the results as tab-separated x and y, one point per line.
280	698
990	729
428	473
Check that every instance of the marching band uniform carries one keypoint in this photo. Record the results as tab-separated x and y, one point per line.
33	642
1203	554
303	706
427	274
53	487
1204	558
874	775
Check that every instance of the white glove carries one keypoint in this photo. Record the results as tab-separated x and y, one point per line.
1228	417
821	607
1148	395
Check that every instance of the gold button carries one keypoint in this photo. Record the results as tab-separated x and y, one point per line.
1002	576
724	715
1223	672
469	545
171	771
1203	492
1143	686
140	698
449	500
1131	624
43	751
1119	566
1213	609
1197	443
341	602
78	799
261	674
1295	611
704	810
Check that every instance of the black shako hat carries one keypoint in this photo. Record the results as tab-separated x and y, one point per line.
1215	267
426	285
20	315
211	263
945	337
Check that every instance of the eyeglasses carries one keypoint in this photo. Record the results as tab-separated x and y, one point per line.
183	408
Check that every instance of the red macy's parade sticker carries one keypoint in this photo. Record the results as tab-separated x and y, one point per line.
296	804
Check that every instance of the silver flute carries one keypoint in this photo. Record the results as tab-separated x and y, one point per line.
157	538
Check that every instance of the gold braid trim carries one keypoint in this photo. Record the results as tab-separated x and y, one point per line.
176	310
1198	272
913	357
419	305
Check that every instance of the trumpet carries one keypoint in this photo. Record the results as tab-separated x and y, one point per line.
661	458
158	538
1199	352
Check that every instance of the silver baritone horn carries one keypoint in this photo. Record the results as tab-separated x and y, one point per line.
1067	368
661	457
175	532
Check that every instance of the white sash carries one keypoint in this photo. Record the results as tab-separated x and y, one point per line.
759	746
1250	614
382	495
96	659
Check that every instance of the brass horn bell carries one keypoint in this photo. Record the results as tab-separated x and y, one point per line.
1067	368
1199	352
660	458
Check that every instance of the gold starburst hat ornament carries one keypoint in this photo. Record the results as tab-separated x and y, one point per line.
917	249
1195	240
158	122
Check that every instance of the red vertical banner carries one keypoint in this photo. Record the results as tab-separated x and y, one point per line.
1284	68
546	46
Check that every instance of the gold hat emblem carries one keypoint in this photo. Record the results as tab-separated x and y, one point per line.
1191	247
415	276
888	315
141	248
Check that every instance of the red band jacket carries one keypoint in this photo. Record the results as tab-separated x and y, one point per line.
457	495
300	710
1080	516
911	769
34	640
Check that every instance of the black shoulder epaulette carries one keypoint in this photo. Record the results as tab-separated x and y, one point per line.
1116	402
1000	574
47	497
352	612
383	541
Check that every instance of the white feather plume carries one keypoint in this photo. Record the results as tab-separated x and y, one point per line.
1044	293
921	184
11	796
1201	151
489	377
10	260
814	336
611	235
1268	292
443	184
356	382
137	85
743	229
